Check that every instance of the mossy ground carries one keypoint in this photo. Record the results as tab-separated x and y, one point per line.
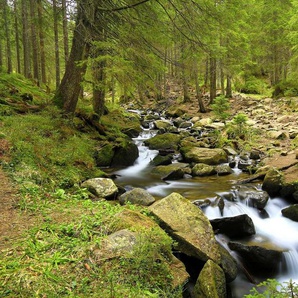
51	223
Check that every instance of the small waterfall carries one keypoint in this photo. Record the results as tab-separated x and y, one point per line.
145	156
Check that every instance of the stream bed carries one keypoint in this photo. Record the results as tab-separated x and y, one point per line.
272	227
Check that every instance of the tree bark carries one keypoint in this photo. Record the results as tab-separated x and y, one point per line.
212	79
65	31
41	42
199	93
56	39
17	37
229	87
7	37
35	52
68	91
25	40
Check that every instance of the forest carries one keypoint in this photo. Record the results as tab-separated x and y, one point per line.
148	148
135	49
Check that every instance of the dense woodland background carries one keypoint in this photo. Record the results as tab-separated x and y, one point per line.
136	49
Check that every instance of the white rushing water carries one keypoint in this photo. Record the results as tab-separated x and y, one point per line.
279	230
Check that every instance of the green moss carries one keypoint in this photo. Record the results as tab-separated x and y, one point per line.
164	141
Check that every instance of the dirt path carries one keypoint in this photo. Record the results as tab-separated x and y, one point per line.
13	222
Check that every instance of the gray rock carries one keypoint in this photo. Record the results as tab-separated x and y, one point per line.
204	155
223	170
234	227
272	182
211	282
137	196
201	169
228	264
101	187
188	225
258	257
291	212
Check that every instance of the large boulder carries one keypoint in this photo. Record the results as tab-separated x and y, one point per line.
201	169
126	153
258	256
101	187
254	197
204	155
104	155
137	196
134	231
211	282
173	171
188	225
272	182
162	124
223	170
291	212
234	227
164	141
228	264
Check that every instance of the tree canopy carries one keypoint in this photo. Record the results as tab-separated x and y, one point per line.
135	48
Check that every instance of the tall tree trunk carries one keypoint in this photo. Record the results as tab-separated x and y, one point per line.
25	41
65	31
229	87
17	37
99	87
212	79
7	36
56	38
68	91
35	51
199	92
41	42
1	55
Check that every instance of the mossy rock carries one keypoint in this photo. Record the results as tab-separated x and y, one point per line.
211	282
164	141
204	155
104	155
201	170
126	153
173	171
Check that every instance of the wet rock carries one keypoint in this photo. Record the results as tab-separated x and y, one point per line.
223	170
228	264
258	257
101	187
173	171
201	169
162	124
211	282
244	165
186	124
137	196
295	195
187	225
104	155
291	212
161	160
204	155
234	227
254	197
272	182
164	141
255	154
126	153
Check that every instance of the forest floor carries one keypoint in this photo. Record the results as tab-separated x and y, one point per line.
13	221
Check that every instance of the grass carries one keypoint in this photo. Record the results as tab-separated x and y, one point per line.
55	258
48	156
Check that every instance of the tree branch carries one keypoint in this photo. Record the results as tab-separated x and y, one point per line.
123	7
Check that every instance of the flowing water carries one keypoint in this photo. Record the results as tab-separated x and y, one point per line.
274	228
